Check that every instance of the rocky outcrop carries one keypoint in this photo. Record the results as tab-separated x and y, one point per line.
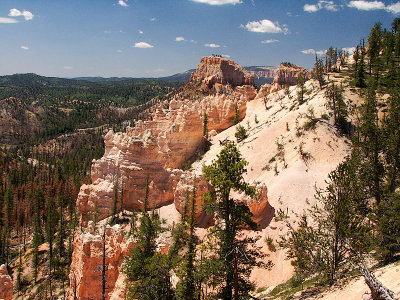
214	69
87	262
6	285
288	74
158	147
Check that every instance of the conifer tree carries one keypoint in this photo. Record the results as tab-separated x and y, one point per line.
225	174
146	269
301	88
186	288
319	71
335	94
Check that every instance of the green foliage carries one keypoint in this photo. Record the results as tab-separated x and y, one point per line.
241	133
336	102
301	88
226	174
318	242
319	71
148	270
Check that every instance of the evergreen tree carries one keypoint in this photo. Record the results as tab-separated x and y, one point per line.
335	95
360	70
319	71
301	88
186	287
115	201
319	242
225	174
374	47
146	269
36	241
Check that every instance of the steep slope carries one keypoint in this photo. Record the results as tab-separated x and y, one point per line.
287	158
286	153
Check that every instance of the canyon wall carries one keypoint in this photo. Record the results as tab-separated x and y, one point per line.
6	285
172	136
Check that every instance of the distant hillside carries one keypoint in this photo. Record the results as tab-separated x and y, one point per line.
32	79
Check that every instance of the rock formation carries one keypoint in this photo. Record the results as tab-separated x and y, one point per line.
158	147
6	285
288	74
214	69
86	267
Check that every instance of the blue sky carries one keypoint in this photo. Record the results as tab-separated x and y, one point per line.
152	38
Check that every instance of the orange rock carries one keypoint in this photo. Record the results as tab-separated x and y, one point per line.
6	285
86	267
159	146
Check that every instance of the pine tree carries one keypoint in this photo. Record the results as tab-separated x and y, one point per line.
360	71
301	88
225	174
146	269
319	241
8	206
374	46
186	288
115	201
36	241
340	113
319	71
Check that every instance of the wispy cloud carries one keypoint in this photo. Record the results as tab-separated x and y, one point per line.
219	2
7	20
122	3
17	13
312	51
119	51
270	41
68	67
24	48
179	39
142	45
265	26
153	19
367	5
226	55
393	8
140	31
322	4
212	45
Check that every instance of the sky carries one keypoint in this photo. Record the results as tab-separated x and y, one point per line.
154	38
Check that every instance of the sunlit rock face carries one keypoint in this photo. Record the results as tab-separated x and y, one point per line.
173	134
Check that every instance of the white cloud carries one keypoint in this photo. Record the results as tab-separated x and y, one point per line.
394	8
24	47
14	12
322	4
140	31
265	26
212	45
68	67
122	3
310	8
366	5
142	45
27	15
179	39
226	55
312	51
119	51
270	41
375	5
153	19
219	2
17	13
8	20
